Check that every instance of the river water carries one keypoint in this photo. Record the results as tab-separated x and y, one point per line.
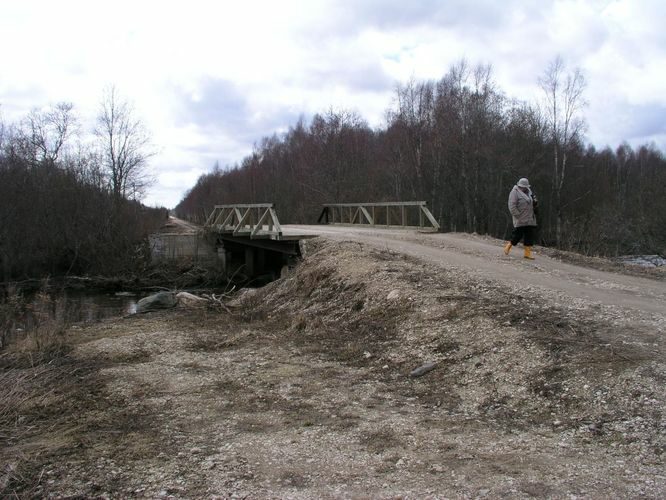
69	307
88	307
20	315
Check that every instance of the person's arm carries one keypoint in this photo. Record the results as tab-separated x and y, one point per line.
513	204
535	203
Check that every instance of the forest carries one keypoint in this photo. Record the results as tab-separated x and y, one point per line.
461	144
68	206
72	207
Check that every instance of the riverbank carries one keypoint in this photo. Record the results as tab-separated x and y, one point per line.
158	276
302	389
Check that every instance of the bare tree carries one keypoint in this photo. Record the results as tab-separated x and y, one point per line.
125	147
47	131
564	102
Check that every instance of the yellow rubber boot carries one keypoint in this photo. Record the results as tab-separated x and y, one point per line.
507	248
528	253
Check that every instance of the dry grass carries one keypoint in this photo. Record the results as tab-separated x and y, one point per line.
603	264
11	308
55	409
30	371
33	330
29	395
50	403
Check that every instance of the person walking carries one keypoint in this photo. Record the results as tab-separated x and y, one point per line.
522	205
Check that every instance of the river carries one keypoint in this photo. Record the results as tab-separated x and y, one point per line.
33	312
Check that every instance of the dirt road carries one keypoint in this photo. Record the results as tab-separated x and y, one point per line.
178	226
484	258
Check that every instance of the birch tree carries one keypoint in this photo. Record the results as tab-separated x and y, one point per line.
564	101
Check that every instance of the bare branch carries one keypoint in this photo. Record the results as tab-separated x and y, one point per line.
126	146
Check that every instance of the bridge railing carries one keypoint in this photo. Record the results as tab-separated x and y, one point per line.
256	220
407	214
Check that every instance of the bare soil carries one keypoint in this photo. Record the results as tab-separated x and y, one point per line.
303	388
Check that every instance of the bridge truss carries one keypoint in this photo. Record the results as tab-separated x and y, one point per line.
404	214
256	221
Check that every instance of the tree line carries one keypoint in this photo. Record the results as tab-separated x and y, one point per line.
460	143
72	207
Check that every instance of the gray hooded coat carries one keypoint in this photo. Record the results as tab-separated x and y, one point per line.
521	208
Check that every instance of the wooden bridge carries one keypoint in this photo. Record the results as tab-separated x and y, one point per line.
395	214
252	235
255	221
260	221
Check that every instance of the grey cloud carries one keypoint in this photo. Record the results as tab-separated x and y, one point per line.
217	104
399	14
477	18
360	76
227	121
220	107
209	156
16	102
646	121
637	124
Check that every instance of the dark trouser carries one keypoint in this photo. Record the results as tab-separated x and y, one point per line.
525	233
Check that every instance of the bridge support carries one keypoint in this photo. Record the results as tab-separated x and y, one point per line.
249	261
178	246
254	258
255	261
251	238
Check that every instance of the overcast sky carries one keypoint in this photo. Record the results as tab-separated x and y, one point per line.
211	78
